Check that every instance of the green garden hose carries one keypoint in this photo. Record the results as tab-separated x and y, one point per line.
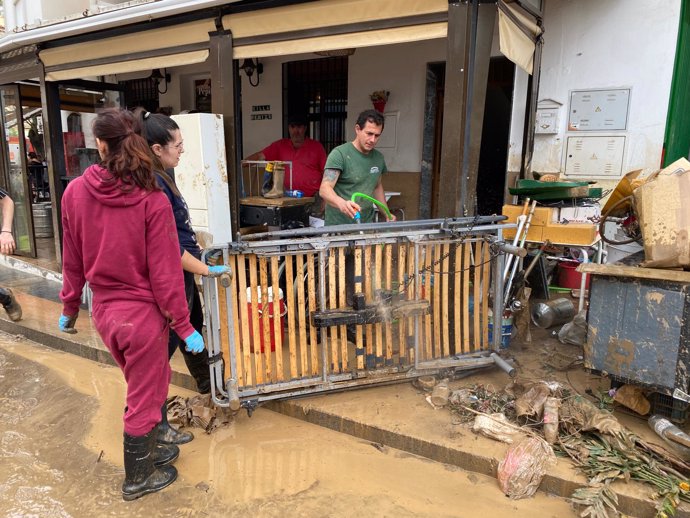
383	206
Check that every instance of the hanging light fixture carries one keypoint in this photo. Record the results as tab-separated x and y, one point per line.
156	78
249	67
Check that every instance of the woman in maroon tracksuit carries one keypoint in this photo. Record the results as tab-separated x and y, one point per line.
120	236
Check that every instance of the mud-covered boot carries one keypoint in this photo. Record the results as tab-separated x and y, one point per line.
198	368
165	454
14	310
141	475
278	178
169	435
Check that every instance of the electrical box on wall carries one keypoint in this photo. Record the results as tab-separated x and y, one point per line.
592	157
599	110
547	119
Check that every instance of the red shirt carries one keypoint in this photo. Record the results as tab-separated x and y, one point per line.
308	162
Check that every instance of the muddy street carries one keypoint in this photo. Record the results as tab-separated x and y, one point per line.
61	456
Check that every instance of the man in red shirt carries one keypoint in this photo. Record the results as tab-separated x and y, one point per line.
308	157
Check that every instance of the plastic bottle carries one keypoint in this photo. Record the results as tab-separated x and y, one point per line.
551	419
666	429
294	194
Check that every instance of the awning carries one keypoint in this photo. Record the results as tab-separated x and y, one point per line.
518	33
182	44
335	24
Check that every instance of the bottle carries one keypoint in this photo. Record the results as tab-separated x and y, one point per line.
294	193
666	429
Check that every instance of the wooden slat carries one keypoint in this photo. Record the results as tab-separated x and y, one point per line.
301	317
342	302
289	295
388	262
413	294
359	288
266	317
437	289
277	321
459	300
466	264
239	371
332	304
313	336
476	343
428	293
402	322
257	302
368	291
243	314
486	286
377	278
445	316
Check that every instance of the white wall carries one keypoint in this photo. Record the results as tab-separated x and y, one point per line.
400	69
590	44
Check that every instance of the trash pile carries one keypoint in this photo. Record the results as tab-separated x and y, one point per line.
197	411
543	420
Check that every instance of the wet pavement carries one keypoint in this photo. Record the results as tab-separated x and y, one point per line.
397	455
61	449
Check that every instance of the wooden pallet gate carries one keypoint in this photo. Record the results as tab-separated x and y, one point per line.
315	310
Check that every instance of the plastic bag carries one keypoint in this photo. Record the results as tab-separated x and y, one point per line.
523	468
575	332
494	426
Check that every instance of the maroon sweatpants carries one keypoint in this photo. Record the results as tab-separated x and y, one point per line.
136	333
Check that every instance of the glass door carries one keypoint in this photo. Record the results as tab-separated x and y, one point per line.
16	180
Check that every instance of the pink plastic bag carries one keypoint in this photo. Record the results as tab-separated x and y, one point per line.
522	469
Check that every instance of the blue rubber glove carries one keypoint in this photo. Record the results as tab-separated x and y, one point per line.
194	343
66	324
217	271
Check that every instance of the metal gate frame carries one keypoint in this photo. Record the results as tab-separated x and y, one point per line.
233	324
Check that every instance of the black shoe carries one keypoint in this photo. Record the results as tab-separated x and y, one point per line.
14	310
169	435
141	475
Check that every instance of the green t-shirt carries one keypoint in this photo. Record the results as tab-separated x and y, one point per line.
358	173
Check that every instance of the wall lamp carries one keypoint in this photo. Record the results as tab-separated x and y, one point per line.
156	78
249	67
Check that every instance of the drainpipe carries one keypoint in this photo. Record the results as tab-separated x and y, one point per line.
100	21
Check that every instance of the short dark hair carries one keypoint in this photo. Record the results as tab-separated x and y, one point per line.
297	119
370	116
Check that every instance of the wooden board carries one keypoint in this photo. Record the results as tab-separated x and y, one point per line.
258	201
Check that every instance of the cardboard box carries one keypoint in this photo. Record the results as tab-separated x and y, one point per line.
664	221
578	234
583	214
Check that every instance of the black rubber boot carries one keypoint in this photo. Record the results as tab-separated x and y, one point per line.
165	454
141	475
198	368
169	435
14	310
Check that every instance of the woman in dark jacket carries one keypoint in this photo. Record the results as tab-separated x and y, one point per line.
165	141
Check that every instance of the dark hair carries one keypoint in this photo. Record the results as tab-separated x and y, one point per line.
370	116
127	157
157	128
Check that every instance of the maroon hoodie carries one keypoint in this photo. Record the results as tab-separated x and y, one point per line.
124	244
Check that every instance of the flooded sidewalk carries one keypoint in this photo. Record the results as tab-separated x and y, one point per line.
61	454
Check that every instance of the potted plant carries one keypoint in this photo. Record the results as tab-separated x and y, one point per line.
379	98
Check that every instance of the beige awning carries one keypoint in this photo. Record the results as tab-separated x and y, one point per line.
170	47
290	29
518	34
137	65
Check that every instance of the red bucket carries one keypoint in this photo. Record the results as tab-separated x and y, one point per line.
569	277
268	314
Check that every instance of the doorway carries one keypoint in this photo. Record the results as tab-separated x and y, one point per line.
317	88
491	177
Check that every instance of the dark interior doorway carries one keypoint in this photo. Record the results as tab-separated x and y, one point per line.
493	155
495	134
317	88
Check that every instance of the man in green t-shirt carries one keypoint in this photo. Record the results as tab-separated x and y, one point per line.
355	167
